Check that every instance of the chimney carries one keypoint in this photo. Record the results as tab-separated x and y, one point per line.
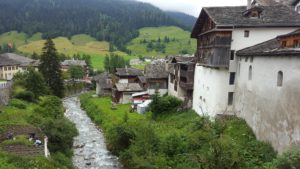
249	4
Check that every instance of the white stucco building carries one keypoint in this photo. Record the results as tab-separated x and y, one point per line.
11	63
267	91
220	32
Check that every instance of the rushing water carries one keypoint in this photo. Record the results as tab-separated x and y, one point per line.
90	151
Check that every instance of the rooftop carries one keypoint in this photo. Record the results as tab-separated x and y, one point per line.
156	71
104	79
128	87
73	63
8	59
276	15
272	47
128	72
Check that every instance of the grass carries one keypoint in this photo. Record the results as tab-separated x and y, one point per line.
13	37
101	109
182	40
19	140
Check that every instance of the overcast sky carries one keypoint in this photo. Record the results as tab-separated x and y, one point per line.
192	7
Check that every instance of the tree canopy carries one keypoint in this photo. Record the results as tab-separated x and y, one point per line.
51	69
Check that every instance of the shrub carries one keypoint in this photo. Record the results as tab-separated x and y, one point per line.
17	103
25	95
164	104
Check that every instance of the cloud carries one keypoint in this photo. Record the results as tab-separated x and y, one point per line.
192	7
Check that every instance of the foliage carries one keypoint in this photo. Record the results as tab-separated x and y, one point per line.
114	61
288	160
60	133
177	139
164	104
51	69
17	103
25	95
76	72
35	83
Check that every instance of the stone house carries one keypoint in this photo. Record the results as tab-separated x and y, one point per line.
181	78
220	32
103	84
267	89
156	78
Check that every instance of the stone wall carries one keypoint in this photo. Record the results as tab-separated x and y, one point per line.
5	90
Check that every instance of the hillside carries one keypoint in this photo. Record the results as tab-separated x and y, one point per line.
183	18
115	21
162	41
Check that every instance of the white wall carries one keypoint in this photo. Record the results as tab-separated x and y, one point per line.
211	88
160	91
180	93
257	35
217	80
271	111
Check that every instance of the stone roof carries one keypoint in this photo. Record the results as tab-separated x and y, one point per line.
128	72
270	48
104	79
128	87
156	71
142	79
74	63
9	59
297	32
276	15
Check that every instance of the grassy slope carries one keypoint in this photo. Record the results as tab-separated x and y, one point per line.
182	38
82	44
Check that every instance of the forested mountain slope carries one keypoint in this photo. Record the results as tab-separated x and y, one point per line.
116	21
183	18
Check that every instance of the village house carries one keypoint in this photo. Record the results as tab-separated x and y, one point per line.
11	63
157	78
66	64
267	89
128	75
181	78
122	92
126	83
220	32
103	84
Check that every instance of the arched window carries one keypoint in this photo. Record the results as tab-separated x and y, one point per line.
250	73
280	79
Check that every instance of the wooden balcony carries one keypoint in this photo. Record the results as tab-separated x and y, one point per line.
214	57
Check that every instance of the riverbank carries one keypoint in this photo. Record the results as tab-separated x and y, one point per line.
90	151
176	140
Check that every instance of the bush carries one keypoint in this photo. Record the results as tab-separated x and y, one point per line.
17	103
25	95
164	104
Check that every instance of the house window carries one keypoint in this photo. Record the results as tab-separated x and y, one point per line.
251	59
246	34
239	69
232	55
283	44
232	78
175	86
246	59
230	98
298	9
280	79
172	78
250	73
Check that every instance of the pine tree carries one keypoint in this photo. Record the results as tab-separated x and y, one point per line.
51	69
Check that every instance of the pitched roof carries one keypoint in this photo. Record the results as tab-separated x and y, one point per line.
128	72
156	71
104	79
73	63
270	48
232	17
128	87
8	59
142	79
